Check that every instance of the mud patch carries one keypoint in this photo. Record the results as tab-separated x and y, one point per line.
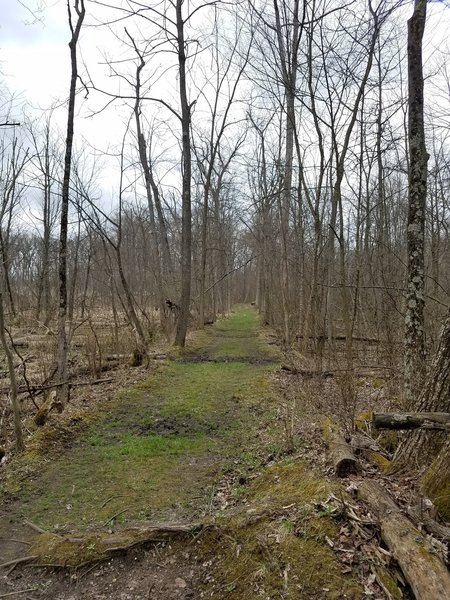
179	425
256	359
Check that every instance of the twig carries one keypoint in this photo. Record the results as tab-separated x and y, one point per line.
18	541
17	561
49	565
134	544
227	585
18	592
35	527
114	516
88	570
211	500
42	388
230	272
24	364
109	500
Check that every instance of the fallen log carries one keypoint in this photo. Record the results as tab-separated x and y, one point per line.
52	403
341	454
21	343
127	357
339	338
415	420
75	549
370	449
420	517
363	371
307	372
39	389
426	574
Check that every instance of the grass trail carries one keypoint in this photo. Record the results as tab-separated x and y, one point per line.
157	450
162	449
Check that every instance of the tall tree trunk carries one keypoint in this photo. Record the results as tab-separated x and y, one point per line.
149	188
43	304
417	192
186	227
288	45
44	159
139	331
74	276
63	390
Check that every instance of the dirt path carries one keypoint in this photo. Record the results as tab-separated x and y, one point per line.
190	442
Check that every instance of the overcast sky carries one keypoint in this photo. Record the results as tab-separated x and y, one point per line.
35	61
34	51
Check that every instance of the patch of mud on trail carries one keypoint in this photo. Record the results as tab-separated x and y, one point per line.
182	425
252	360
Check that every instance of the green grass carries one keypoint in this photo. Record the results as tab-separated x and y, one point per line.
145	447
141	475
243	319
238	336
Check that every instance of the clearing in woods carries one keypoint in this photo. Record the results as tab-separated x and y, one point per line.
197	441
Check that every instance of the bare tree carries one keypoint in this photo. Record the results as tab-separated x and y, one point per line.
75	28
186	209
13	160
289	29
12	375
162	258
46	161
220	94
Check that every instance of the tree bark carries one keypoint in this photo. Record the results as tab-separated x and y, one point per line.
288	47
438	421
417	192
425	573
142	150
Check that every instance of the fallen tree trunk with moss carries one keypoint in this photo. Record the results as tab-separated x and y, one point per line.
75	550
413	420
420	517
423	570
341	453
364	445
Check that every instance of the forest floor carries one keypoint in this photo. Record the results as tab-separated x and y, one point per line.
204	438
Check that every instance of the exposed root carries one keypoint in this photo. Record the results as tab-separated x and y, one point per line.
16	561
76	550
35	527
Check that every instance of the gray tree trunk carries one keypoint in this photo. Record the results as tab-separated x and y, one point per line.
417	193
63	390
288	45
186	214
